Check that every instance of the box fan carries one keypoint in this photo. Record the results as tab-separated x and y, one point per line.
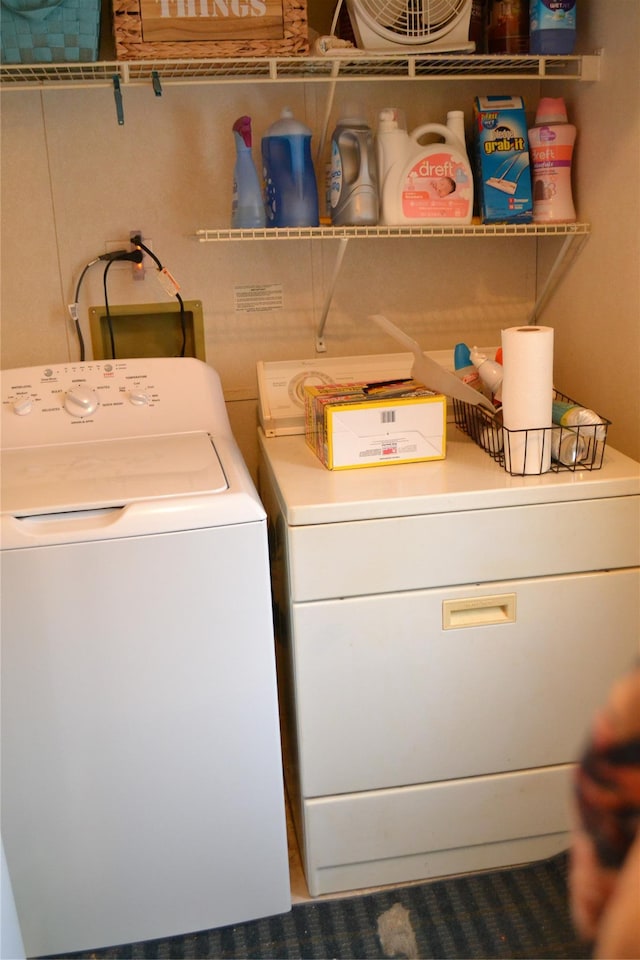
406	25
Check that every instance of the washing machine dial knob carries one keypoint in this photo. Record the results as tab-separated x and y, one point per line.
138	398
23	406
81	401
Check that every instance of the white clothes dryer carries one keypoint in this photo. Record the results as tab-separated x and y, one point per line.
142	792
445	633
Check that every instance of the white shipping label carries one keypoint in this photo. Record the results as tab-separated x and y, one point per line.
259	298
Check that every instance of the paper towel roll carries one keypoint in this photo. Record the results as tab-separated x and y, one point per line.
527	397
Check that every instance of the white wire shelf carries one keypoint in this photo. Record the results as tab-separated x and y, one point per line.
352	65
574	234
209	235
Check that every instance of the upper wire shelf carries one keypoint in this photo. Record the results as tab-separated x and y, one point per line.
208	235
353	65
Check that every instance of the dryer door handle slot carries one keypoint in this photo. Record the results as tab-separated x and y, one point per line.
478	611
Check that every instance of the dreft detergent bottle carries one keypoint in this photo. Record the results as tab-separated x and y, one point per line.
291	192
423	183
247	206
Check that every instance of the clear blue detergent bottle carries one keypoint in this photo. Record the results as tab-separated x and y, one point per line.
289	177
247	206
552	27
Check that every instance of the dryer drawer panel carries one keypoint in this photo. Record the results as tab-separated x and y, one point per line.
386	696
390	836
431	550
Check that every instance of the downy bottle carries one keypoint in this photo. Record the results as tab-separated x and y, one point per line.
353	194
423	183
551	144
247	206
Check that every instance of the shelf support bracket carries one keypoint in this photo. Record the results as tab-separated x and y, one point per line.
342	249
117	96
567	254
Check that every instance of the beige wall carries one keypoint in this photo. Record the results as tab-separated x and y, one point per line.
596	311
73	179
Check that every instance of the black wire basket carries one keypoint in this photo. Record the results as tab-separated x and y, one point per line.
528	452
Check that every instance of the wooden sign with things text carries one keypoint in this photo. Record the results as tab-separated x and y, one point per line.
202	20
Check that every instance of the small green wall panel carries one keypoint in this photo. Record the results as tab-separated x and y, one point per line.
147	330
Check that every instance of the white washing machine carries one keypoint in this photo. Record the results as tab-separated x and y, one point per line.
445	632
142	790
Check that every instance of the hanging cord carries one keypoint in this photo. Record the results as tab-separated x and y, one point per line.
170	287
107	311
134	256
73	307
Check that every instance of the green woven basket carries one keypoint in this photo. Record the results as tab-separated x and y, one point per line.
49	31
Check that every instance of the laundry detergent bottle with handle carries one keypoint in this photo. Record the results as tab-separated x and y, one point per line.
247	206
423	183
291	192
353	195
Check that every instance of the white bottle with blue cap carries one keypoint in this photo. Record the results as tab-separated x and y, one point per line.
464	368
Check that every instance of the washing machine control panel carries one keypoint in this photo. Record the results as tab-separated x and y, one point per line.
107	399
82	390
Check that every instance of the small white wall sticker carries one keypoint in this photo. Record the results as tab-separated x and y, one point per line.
259	298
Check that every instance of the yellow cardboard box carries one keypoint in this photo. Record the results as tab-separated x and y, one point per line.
364	425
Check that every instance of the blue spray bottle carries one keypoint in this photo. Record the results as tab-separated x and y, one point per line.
247	207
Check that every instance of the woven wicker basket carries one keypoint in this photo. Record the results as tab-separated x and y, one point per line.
49	31
253	28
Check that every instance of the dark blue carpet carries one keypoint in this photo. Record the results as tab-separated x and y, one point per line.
511	913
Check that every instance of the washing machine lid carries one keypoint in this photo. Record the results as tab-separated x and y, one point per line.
106	473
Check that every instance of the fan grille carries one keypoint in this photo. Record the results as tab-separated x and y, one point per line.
413	19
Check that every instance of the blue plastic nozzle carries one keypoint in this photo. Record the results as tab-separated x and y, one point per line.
461	356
